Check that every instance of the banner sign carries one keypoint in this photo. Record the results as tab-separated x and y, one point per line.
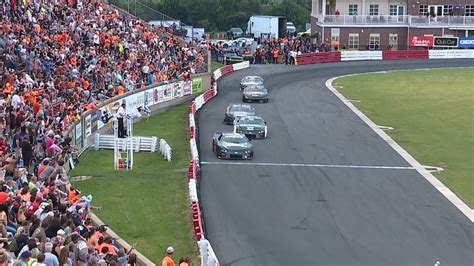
105	116
187	87
149	97
95	117
177	90
78	130
421	41
88	128
466	42
168	92
197	85
446	41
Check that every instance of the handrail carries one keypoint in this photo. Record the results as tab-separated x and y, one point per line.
402	20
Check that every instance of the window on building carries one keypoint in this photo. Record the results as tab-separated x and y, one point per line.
374	10
447	10
393	41
423	10
374	41
353	40
469	11
353	9
393	10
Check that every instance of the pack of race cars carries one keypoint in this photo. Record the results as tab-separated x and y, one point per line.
247	124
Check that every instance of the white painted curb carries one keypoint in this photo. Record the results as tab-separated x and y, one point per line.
453	198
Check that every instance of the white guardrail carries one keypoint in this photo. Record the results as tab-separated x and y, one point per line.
165	150
107	141
208	257
449	54
432	54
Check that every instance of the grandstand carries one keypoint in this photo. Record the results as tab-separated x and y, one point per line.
58	60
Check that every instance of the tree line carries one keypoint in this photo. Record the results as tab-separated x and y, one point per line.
219	15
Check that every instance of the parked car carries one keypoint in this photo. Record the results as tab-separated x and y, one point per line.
303	34
290	28
232	57
234	33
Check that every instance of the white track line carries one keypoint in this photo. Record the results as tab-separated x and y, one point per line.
453	198
314	165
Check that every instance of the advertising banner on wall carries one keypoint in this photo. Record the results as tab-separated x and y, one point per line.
158	94
168	92
197	85
88	129
187	87
177	89
78	132
446	41
466	42
95	117
149	99
105	116
421	41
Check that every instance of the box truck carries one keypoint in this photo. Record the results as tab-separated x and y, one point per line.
266	27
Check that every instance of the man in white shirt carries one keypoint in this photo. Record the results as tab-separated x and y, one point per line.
120	116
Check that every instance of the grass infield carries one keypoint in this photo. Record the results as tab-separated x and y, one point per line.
148	205
215	66
432	112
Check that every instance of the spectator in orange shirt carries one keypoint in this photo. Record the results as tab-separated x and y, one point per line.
168	259
120	89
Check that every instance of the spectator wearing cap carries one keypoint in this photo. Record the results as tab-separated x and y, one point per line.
168	259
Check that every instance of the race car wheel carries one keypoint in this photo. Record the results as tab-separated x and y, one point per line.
265	101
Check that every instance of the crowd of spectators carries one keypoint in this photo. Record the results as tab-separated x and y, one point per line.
275	51
285	50
59	59
68	56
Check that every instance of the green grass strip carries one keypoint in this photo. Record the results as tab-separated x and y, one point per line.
432	112
148	205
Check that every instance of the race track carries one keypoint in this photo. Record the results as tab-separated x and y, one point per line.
323	189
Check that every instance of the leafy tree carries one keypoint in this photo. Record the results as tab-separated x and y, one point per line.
220	15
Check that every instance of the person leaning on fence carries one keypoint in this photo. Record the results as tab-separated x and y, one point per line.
168	259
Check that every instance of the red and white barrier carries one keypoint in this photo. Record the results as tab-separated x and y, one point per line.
326	57
405	55
208	257
316	58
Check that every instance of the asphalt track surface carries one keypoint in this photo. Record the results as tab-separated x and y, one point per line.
321	215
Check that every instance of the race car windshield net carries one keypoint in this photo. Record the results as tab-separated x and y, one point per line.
254	79
234	139
240	108
250	122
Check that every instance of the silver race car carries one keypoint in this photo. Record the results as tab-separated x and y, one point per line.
252	126
232	146
237	110
250	80
255	93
